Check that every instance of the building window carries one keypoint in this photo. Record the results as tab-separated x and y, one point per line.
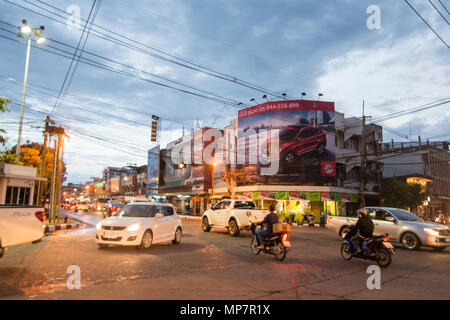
17	195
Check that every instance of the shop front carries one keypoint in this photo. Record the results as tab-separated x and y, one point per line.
294	202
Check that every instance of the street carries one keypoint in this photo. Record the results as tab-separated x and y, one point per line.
215	266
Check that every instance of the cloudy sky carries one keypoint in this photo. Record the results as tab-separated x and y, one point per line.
289	46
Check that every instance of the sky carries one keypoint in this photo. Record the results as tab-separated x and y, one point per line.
285	46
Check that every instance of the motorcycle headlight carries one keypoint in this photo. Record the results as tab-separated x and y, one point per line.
431	232
134	227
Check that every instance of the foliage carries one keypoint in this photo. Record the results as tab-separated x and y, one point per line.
3	108
30	156
399	194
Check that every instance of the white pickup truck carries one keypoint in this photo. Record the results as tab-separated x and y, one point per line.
233	214
20	224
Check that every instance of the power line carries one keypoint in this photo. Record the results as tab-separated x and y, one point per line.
194	66
438	11
448	47
71	62
84	44
443	6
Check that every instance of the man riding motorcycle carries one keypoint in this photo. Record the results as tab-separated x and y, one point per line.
267	223
365	228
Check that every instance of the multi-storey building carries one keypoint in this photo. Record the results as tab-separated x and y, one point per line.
424	163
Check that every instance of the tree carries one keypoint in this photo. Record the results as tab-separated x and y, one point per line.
3	108
30	156
399	194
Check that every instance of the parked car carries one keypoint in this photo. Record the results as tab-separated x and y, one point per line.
140	224
112	207
20	224
233	214
401	225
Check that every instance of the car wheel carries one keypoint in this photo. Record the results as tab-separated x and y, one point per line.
205	224
321	148
233	228
177	237
410	241
147	240
289	158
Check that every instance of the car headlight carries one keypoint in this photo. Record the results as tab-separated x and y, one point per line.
431	232
134	227
98	226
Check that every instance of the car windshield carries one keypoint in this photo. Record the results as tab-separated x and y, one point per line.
404	215
136	211
288	135
244	205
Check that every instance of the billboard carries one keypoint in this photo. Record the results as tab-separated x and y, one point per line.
188	152
153	171
301	134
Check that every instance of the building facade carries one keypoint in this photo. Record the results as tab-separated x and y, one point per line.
424	163
319	164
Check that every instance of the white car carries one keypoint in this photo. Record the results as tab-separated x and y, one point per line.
20	224
140	224
233	214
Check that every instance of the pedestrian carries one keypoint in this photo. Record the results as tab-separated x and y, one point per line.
440	217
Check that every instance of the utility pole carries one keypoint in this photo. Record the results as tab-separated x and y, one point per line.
363	160
41	169
52	194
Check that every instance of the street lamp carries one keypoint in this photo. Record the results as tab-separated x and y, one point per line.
303	94
26	30
320	95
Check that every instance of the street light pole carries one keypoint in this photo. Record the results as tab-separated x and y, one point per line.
23	95
27	30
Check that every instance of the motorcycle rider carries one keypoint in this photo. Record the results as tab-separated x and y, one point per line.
267	223
365	227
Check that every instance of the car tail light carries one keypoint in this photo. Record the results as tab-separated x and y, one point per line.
40	215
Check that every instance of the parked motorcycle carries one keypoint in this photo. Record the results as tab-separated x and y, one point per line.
379	249
275	244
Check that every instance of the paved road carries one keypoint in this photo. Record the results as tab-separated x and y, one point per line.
214	266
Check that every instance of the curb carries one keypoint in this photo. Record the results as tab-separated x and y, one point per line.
53	228
315	225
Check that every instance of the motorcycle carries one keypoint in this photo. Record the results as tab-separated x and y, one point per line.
275	244
379	249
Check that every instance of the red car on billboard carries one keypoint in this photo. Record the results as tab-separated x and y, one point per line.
297	140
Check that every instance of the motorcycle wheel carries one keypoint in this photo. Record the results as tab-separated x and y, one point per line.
254	246
345	251
279	251
383	257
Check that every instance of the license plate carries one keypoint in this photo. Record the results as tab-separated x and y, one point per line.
388	245
287	244
110	234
